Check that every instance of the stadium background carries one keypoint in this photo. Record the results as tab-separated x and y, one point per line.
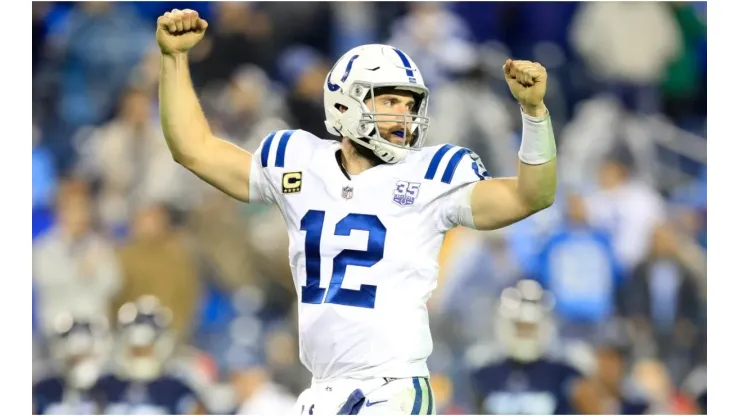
627	94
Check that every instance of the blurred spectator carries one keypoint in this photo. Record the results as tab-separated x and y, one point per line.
129	160
94	59
620	394
282	359
695	385
75	269
246	108
44	181
222	234
625	207
303	70
158	262
474	279
38	38
356	23
589	136
44	184
145	76
467	113
443	390
439	41
664	398
683	83
309	23
690	200
663	301
239	34
578	265
255	390
628	46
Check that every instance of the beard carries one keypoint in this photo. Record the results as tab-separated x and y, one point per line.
366	153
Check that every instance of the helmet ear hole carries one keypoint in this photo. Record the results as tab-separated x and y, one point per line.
418	99
340	107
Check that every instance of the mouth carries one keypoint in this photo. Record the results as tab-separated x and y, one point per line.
396	137
399	134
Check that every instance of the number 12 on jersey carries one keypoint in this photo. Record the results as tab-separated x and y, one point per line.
313	223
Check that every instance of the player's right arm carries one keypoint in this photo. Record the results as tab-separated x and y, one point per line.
189	137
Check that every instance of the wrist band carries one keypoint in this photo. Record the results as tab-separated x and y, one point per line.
538	140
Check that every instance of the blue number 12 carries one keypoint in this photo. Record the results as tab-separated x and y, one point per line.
312	223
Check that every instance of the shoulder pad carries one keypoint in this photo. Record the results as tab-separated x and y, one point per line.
41	371
482	355
451	165
287	148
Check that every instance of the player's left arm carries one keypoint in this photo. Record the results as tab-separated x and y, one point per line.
498	202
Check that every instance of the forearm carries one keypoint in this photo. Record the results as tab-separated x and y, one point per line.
537	184
537	177
184	125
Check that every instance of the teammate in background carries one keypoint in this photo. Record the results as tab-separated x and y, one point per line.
366	216
526	377
141	381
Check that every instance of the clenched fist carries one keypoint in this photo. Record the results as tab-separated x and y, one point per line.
528	83
179	30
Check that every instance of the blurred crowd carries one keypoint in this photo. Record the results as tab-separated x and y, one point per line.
142	272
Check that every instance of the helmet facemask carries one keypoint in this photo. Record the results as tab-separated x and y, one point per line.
367	133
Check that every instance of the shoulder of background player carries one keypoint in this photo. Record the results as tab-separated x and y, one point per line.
480	356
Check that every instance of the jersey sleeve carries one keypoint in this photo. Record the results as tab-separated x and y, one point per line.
456	170
269	162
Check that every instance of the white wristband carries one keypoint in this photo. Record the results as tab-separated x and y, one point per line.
538	140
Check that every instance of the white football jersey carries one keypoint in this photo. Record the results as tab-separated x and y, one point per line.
364	251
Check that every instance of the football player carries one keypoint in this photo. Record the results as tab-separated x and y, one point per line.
79	349
366	214
528	378
140	381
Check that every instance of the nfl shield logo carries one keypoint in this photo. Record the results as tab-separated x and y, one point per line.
347	192
405	193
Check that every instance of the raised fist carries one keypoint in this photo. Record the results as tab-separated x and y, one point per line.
527	81
179	30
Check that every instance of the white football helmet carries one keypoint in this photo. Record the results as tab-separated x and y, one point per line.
79	348
145	341
524	323
354	78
